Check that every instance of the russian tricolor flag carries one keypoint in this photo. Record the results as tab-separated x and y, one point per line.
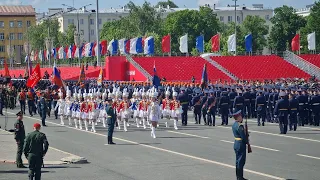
56	77
88	49
136	45
113	47
149	45
156	79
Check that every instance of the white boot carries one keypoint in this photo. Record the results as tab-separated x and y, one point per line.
93	127
86	125
119	125
75	123
103	122
61	120
70	123
144	123
125	126
137	121
166	124
80	124
175	124
153	133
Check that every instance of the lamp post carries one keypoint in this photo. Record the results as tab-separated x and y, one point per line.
27	50
97	34
235	24
49	44
78	41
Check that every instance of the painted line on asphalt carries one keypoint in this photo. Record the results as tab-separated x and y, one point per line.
279	135
169	151
312	157
203	137
259	147
318	129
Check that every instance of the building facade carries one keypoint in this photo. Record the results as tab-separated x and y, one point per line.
14	23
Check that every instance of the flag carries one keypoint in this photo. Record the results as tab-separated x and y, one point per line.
312	41
232	43
156	79
127	46
32	56
113	47
100	77
41	55
6	69
35	77
54	53
184	44
56	79
103	49
166	44
82	76
74	51
94	47
200	44
88	49
122	46
136	45
69	52
295	43
149	45
61	53
215	43
204	78
248	42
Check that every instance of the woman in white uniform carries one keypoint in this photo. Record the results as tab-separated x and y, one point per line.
154	112
67	107
60	106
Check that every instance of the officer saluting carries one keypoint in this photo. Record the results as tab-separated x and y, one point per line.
240	144
19	135
111	119
35	148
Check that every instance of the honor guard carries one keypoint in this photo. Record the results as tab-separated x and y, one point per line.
281	111
238	103
293	112
302	113
184	101
315	107
19	136
211	109
261	108
111	118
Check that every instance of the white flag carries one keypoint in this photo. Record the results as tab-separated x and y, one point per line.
32	56
61	52
232	43
312	41
122	46
184	44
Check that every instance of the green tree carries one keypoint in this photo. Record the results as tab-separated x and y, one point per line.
257	27
164	4
70	34
286	23
229	30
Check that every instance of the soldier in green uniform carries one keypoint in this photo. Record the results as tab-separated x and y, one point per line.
35	148
43	109
19	136
111	119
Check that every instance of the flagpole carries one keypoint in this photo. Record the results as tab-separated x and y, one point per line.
170	46
235	24
97	34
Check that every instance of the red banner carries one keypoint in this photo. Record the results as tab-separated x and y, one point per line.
166	44
215	43
295	43
104	45
35	77
6	69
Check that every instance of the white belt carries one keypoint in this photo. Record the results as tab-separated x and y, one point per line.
301	103
315	104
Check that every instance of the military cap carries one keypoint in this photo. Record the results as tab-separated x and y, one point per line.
236	113
182	89
19	113
282	94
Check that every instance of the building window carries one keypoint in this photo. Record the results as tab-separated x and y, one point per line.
99	21
109	20
91	22
2	48
11	36
20	47
267	17
11	24
92	32
70	21
20	36
28	23
222	18
81	21
229	18
1	24
19	24
1	36
238	18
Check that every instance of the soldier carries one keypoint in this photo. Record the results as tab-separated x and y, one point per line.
253	95
224	108
315	107
204	107
22	101
43	109
261	108
11	94
111	119
19	136
302	110
211	109
238	103
293	111
124	109
35	148
196	102
30	98
240	144
175	109
184	101
246	96
281	112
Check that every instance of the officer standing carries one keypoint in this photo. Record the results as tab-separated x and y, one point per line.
111	119
302	110
184	101
211	105
35	148
196	102
224	107
19	136
261	108
43	109
281	111
240	144
315	107
294	106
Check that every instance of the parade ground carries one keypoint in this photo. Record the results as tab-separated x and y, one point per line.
194	152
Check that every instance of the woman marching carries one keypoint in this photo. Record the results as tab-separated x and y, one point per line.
124	109
143	107
84	111
154	112
175	109
166	112
60	107
68	106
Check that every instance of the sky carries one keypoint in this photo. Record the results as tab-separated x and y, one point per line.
43	5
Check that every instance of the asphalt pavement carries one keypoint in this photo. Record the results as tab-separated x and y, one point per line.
194	152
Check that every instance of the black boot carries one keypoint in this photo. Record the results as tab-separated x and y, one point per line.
108	139
31	177
111	142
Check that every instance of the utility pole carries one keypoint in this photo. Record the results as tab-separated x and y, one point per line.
98	34
235	24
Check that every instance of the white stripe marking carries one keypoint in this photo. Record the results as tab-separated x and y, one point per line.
318	129
259	147
203	137
172	152
312	157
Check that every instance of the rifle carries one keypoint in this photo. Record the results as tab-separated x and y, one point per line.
247	134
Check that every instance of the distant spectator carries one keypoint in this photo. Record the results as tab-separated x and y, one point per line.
87	65
164	79
193	79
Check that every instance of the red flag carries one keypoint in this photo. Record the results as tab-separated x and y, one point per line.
104	46
127	44
295	43
6	69
74	48
94	49
166	44
215	43
34	77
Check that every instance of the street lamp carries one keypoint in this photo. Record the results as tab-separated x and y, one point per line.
78	41
235	24
49	44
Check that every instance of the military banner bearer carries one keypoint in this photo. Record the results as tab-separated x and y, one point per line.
19	136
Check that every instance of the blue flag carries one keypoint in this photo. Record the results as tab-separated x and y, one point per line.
200	44
248	42
156	79
204	78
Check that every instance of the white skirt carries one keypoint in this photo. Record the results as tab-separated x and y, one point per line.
125	114
153	118
60	111
166	112
175	113
102	114
91	115
84	115
143	114
135	113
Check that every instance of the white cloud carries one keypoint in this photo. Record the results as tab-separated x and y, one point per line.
210	2
10	2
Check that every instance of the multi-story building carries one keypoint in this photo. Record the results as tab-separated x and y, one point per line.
304	11
86	19
14	22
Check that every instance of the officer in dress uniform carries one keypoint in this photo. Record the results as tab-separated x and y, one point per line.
22	101
35	148
224	107
232	96
204	107
302	112
43	109
240	143
238	102
211	106
19	136
111	119
253	95
184	101
315	107
270	106
246	96
261	108
293	112
196	102
281	111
